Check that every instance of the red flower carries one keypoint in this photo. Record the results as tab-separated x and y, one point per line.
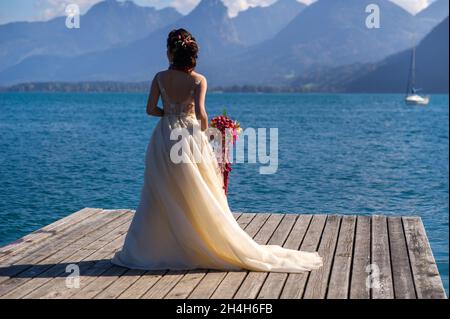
222	123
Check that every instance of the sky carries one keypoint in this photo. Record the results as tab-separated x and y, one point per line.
35	10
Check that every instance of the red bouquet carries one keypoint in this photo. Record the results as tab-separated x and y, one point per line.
228	128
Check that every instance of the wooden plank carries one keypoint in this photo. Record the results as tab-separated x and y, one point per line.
245	219
224	291
257	223
191	279
361	259
164	285
73	254
93	285
274	283
283	229
255	280
295	283
397	247
424	270
236	215
107	277
137	283
222	280
68	236
155	285
339	285
142	285
186	284
316	287
89	272
121	284
103	272
382	287
56	287
46	233
298	232
61	241
209	284
401	270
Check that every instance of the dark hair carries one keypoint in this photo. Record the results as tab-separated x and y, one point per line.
184	49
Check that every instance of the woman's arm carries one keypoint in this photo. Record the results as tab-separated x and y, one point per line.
152	107
200	109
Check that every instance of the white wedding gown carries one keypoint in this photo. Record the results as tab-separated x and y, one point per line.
183	220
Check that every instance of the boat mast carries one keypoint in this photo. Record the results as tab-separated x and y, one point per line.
413	70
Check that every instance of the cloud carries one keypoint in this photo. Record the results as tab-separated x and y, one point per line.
183	6
308	2
413	6
234	6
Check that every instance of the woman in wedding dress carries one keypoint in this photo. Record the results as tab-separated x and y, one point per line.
183	220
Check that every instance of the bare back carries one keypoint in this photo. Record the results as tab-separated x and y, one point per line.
178	91
182	94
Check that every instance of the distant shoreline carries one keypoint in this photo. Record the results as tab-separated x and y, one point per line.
139	87
143	87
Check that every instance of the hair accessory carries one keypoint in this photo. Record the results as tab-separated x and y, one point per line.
183	41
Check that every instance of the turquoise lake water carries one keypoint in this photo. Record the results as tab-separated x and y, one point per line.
338	154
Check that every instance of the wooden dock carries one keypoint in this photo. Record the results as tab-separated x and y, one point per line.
364	257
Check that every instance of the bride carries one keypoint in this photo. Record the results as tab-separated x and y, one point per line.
183	220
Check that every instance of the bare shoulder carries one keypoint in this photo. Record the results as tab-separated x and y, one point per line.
160	73
199	78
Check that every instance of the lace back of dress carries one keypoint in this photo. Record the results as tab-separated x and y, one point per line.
184	108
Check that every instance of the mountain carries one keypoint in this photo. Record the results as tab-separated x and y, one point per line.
140	59
327	39
106	24
212	27
328	33
430	17
391	75
435	12
258	24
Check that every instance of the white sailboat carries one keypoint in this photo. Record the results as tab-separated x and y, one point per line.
412	95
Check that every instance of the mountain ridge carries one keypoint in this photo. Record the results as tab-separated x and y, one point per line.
257	24
327	33
391	74
307	48
106	24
